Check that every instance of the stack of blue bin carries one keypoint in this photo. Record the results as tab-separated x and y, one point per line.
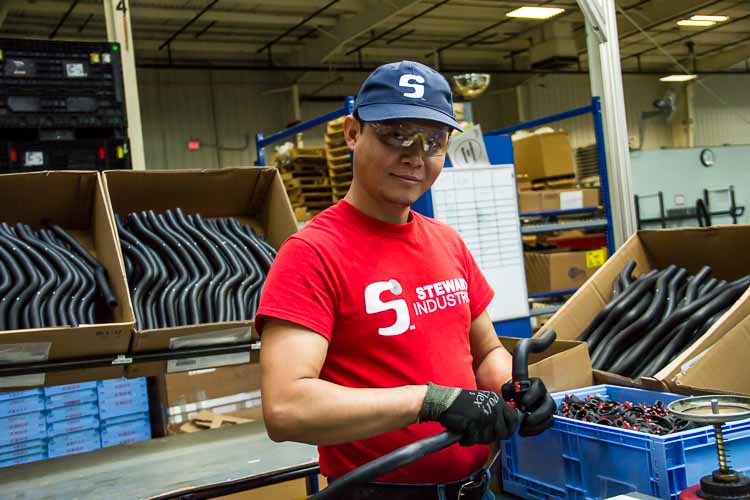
63	420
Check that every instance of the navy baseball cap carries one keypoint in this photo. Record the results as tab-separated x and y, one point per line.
404	90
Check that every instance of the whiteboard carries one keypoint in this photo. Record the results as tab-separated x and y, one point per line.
481	204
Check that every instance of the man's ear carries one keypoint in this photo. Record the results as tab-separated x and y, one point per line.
352	130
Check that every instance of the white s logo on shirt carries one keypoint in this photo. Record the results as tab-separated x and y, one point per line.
408	82
374	305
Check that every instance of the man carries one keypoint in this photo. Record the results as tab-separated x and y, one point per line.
348	361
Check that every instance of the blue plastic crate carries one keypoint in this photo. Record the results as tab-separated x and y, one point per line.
71	398
581	460
68	412
60	389
72	425
22	428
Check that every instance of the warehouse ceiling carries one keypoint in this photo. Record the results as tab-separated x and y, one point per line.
346	35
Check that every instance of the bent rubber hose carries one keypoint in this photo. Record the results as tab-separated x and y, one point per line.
252	271
100	275
627	274
252	292
708	286
256	247
624	338
45	260
229	286
84	308
628	301
69	303
219	266
674	284
69	281
697	282
233	277
630	358
140	288
6	284
16	313
202	265
166	299
700	317
630	317
19	282
37	300
171	249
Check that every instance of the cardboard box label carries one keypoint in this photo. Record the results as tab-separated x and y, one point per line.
182	365
212	338
571	200
596	258
28	352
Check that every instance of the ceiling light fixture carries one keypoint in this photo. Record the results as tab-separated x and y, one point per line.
535	12
692	22
678	78
716	19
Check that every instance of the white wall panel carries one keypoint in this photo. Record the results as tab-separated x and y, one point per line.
717	123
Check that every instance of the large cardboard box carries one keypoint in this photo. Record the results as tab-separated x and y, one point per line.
565	365
254	196
557	199
553	270
76	202
723	248
544	155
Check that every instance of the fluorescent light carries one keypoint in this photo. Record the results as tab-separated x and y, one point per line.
678	78
535	12
691	22
716	19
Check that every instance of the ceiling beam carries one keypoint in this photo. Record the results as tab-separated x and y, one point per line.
717	59
175	14
4	9
373	14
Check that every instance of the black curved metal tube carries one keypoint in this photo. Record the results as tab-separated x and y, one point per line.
623	338
20	308
172	250
17	287
43	258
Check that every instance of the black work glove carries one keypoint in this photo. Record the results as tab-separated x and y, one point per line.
480	416
536	404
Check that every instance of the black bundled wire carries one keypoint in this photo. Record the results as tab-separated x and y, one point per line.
48	279
651	419
186	270
651	319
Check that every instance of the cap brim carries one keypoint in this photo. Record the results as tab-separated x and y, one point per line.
381	112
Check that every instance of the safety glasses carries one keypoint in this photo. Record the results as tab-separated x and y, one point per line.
403	135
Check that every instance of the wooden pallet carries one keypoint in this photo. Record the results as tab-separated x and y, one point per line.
307	154
335	140
337	151
307	183
338	178
335	126
338	161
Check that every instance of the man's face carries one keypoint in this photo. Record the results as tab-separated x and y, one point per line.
396	161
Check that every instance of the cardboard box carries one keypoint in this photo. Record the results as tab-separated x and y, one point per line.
213	383
254	196
557	199
559	270
723	248
544	155
565	365
718	369
75	201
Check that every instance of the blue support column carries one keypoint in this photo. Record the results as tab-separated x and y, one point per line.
603	177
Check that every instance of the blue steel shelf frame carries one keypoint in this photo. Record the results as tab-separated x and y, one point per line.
595	109
261	141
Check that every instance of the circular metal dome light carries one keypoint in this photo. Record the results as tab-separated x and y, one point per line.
471	85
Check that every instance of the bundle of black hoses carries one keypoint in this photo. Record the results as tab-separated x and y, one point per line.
653	318
49	279
185	269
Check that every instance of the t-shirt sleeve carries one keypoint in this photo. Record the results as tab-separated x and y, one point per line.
480	292
298	289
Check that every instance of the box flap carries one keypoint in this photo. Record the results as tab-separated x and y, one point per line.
563	366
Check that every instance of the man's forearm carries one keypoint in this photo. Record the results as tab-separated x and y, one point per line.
318	412
495	369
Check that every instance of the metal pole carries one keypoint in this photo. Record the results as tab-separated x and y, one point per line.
260	154
615	133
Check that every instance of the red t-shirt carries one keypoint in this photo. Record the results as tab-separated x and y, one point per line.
395	302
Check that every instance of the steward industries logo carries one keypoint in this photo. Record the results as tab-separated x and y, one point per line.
431	297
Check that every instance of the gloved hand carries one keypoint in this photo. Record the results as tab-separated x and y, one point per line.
537	405
480	416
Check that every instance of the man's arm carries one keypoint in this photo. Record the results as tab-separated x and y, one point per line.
298	406
492	362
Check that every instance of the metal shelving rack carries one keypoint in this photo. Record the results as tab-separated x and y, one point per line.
548	221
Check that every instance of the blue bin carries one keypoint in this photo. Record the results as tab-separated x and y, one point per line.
581	460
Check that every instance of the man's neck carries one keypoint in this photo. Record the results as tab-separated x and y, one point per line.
391	213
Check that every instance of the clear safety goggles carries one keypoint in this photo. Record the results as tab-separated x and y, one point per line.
403	135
